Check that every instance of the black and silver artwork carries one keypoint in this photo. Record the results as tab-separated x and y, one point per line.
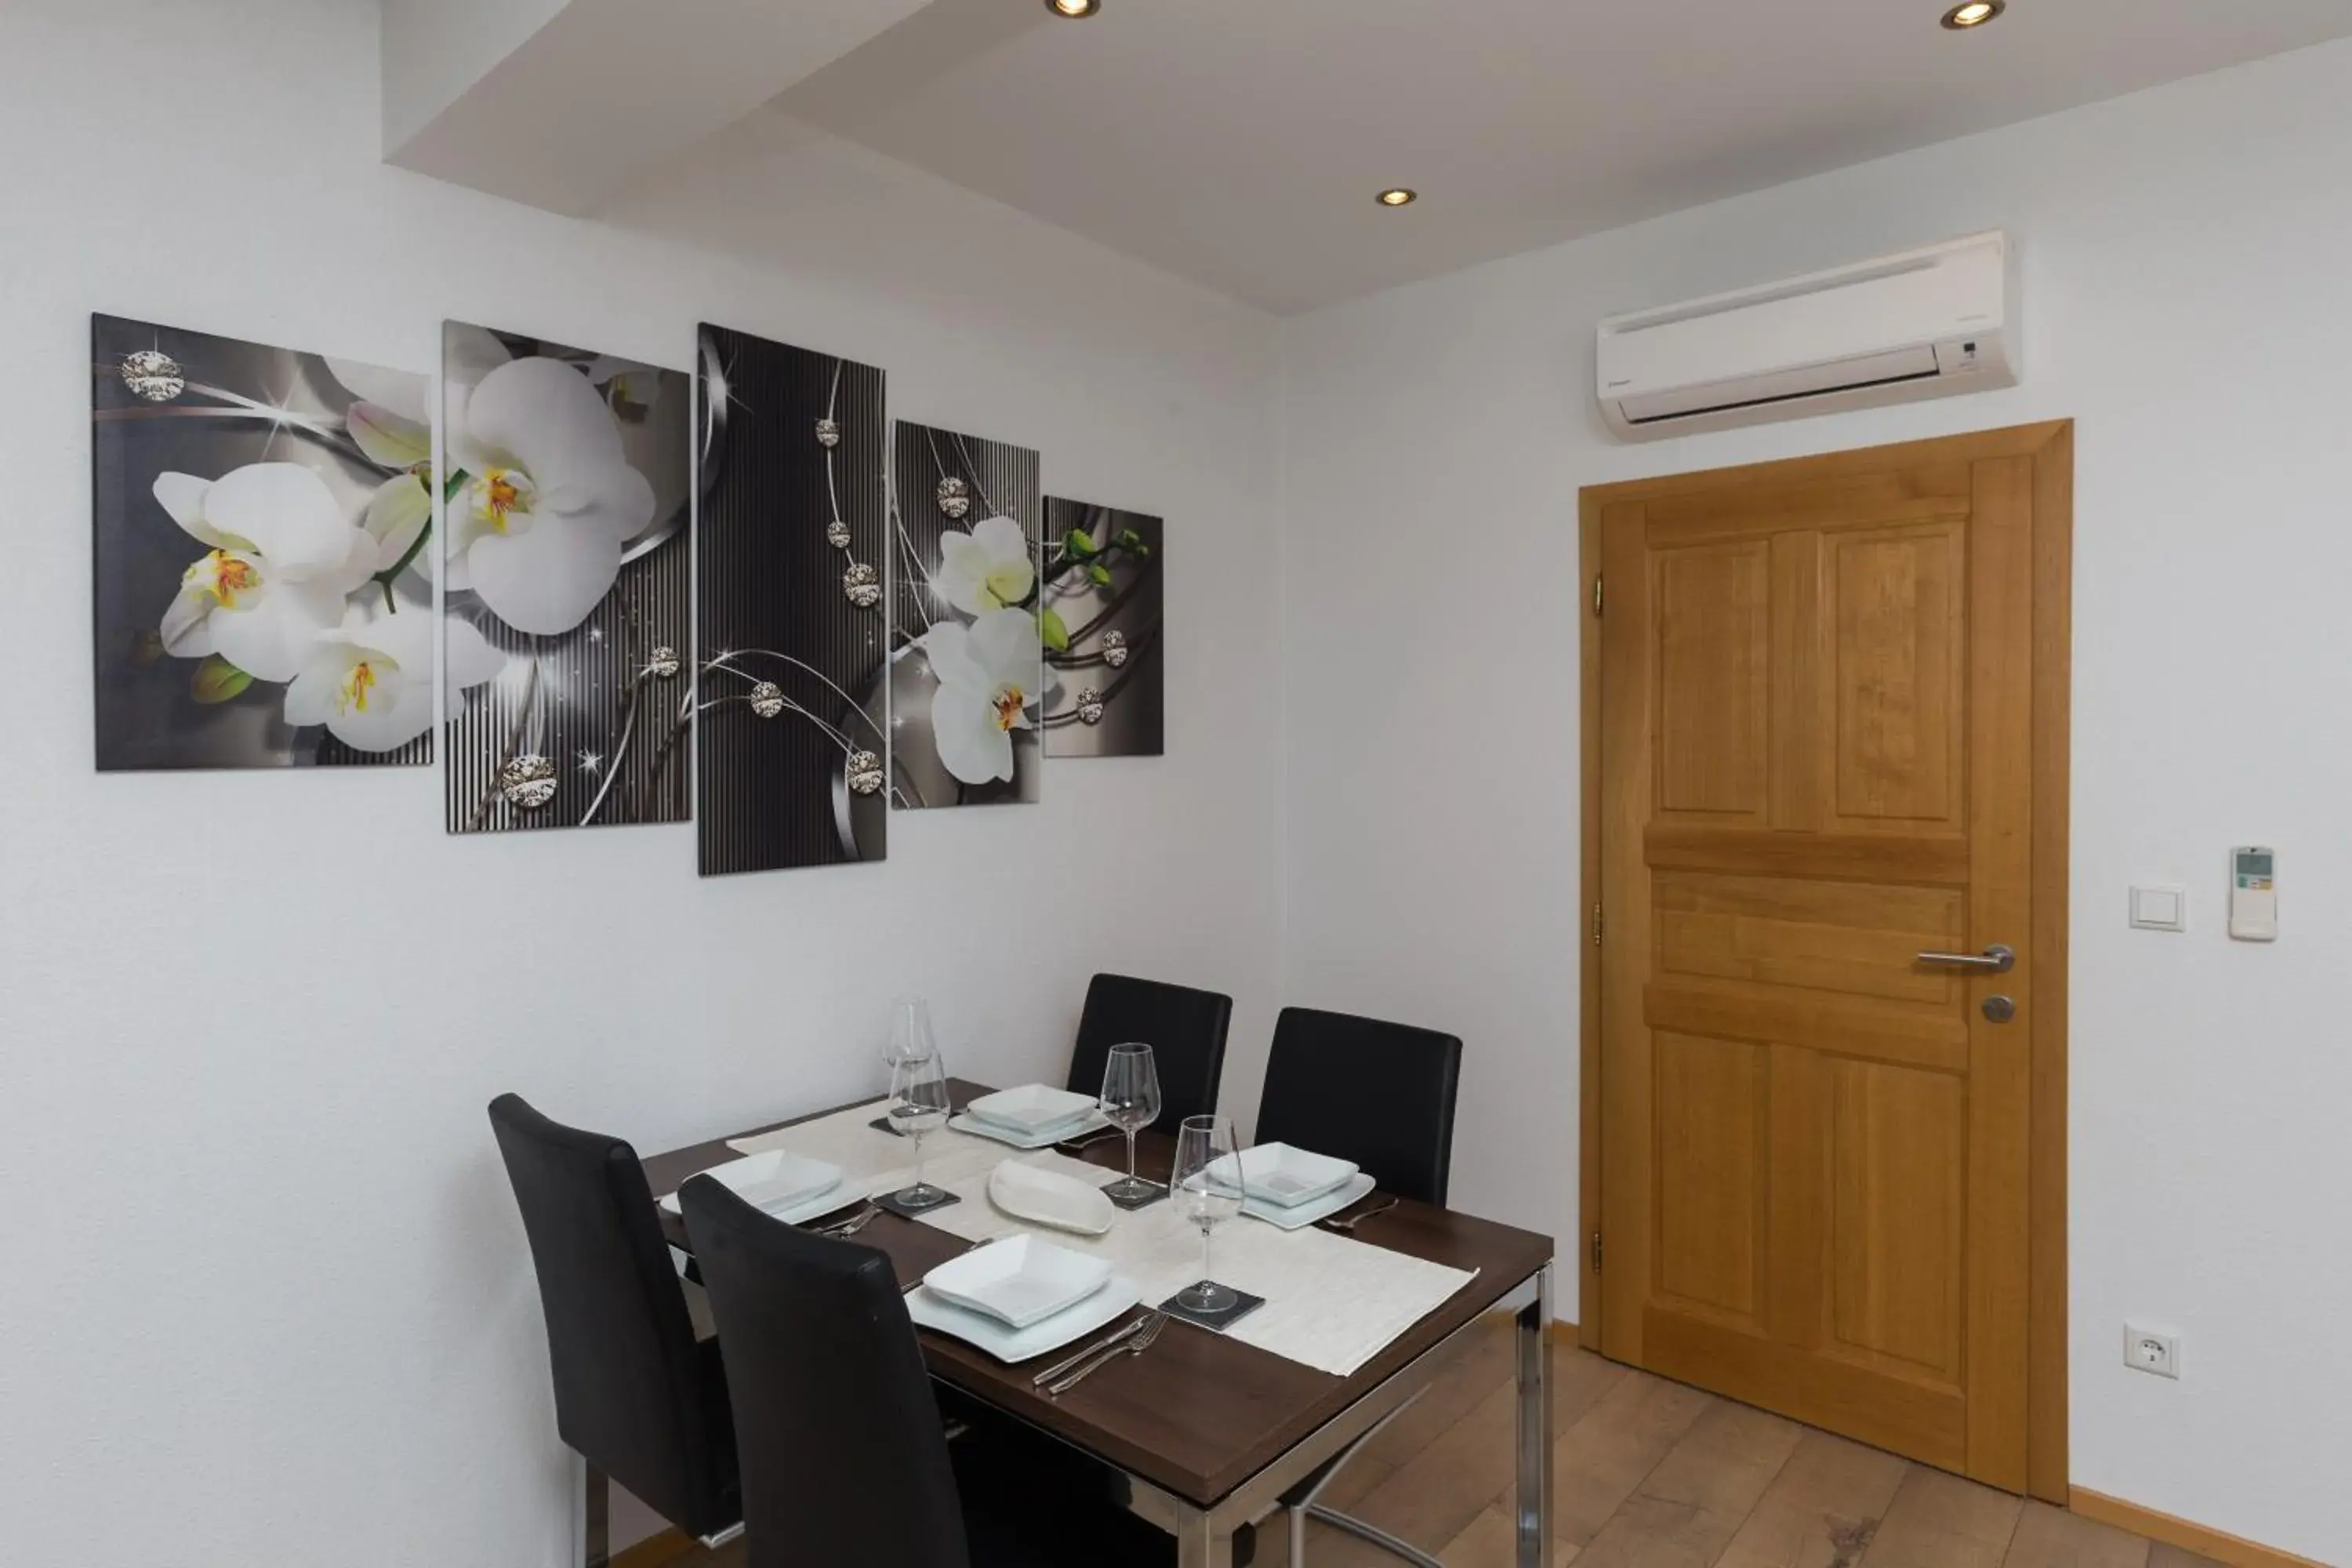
967	671
262	569
565	486
1106	687
792	726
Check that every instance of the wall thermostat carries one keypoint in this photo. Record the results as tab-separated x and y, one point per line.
2253	893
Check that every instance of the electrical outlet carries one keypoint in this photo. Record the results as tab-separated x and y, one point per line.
2145	1350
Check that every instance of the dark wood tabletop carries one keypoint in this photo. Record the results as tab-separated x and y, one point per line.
1200	1413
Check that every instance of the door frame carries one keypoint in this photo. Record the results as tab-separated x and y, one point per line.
2051	445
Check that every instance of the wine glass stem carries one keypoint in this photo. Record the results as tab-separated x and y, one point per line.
1207	1273
1130	1156
918	1162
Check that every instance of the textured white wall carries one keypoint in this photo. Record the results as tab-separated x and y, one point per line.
266	1299
2187	258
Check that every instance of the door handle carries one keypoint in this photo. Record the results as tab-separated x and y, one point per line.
1997	959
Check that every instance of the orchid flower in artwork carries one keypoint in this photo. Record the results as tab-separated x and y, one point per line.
989	675
389	423
990	568
279	559
548	498
369	681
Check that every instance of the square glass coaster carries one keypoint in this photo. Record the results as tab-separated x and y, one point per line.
1243	1305
1140	1201
890	1201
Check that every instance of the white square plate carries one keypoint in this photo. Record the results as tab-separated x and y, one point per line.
1019	1280
1286	1177
1092	1122
1007	1345
1031	1107
777	1183
1298	1217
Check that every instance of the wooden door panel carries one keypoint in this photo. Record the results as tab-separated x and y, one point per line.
1816	755
1712	660
1898	1160
1896	609
1710	1100
1849	937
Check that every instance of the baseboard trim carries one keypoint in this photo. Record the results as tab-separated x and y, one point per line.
2220	1545
653	1551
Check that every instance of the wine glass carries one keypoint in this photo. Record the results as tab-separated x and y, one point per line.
1207	1184
910	1033
919	1107
1130	1101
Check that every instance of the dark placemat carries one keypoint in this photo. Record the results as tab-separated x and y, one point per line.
1217	1322
890	1201
1144	1202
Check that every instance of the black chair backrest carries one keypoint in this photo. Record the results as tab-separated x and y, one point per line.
1185	1029
844	1458
629	1393
1357	1089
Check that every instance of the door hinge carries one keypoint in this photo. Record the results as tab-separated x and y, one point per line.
1596	1252
1596	593
1597	925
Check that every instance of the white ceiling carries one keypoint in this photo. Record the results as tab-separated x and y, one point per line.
1239	143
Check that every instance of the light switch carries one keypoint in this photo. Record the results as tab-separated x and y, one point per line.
2159	908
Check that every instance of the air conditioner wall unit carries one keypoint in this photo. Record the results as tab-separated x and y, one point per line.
1927	324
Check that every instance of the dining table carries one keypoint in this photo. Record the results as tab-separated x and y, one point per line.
1206	1435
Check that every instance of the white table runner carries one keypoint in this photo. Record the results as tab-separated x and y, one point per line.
1331	1302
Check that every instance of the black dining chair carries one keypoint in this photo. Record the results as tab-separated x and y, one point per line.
1185	1029
636	1395
845	1459
1381	1095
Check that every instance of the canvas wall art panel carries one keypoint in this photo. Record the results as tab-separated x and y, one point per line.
967	667
792	741
566	549
260	555
1106	687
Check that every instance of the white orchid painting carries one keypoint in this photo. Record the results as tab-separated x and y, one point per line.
263	587
564	549
970	623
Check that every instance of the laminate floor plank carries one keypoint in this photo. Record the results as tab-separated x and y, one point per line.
1941	1520
2052	1538
1823	1509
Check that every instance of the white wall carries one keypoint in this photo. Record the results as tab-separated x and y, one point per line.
2188	278
266	1299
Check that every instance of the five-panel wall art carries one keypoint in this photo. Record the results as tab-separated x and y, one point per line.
739	596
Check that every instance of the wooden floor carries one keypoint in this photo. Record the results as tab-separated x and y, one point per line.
1652	1473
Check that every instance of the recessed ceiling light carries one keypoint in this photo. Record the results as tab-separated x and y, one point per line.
1074	7
1397	196
1974	13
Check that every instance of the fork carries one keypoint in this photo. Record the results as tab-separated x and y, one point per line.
1348	1226
1136	1346
851	1226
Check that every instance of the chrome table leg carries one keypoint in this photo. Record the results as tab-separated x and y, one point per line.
1534	1509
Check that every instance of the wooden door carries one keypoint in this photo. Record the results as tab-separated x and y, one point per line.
1817	762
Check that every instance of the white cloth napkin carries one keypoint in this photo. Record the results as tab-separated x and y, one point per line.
1331	1302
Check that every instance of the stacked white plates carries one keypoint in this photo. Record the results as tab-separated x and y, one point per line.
1020	1296
1298	1217
786	1185
1032	1116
